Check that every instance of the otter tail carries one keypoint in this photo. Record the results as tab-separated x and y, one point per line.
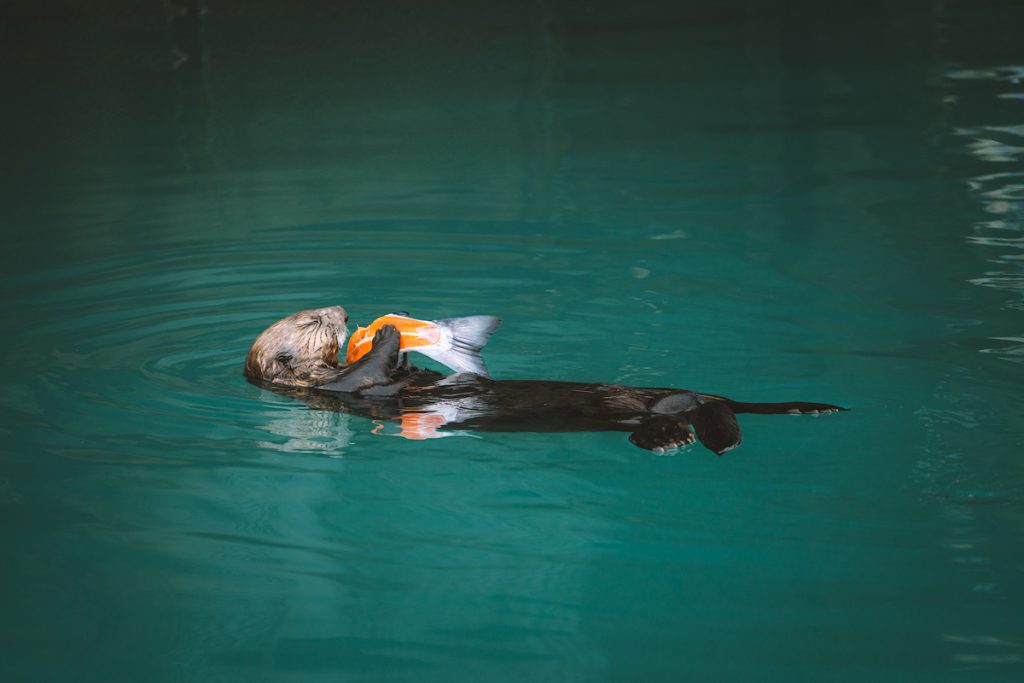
461	341
791	407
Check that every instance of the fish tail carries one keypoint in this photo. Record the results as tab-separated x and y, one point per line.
462	339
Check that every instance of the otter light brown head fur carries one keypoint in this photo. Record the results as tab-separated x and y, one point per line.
300	350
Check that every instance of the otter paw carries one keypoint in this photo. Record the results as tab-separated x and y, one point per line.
386	336
662	433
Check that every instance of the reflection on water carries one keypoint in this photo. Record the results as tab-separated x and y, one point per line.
952	466
1000	193
305	431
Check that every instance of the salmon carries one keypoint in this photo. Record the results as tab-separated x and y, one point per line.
452	342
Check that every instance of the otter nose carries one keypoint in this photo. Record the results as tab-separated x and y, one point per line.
337	313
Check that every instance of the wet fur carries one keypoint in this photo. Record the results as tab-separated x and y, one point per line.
300	350
298	356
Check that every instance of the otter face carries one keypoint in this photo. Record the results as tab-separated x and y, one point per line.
300	350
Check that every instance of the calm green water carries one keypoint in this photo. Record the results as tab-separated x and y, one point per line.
766	200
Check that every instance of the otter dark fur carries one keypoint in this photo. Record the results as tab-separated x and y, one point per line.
298	356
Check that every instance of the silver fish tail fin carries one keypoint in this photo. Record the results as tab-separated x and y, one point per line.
461	341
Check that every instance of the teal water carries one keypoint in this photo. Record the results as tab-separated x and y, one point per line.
767	200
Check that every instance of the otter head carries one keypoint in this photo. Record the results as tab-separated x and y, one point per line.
300	350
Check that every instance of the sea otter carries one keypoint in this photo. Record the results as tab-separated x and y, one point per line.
298	356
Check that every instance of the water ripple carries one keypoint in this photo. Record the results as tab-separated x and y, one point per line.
137	345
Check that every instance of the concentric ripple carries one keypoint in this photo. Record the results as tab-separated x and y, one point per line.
140	350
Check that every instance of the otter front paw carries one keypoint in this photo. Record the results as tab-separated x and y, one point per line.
662	433
387	338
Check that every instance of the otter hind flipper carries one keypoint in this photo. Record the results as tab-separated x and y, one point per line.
662	433
716	427
376	368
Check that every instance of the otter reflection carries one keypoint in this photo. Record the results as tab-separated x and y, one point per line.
426	404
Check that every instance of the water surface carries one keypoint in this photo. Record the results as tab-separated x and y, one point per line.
765	200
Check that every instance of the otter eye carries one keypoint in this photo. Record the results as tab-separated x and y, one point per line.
283	358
